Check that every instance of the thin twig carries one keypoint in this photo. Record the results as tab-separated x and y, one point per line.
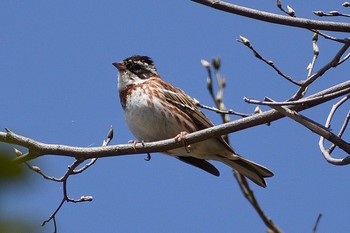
341	131
228	111
93	160
38	170
324	35
333	63
64	179
330	13
218	97
346	57
318	129
287	12
315	54
302	101
250	196
247	43
327	152
328	37
317	223
242	181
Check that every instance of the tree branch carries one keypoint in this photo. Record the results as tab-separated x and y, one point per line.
331	64
64	179
275	18
316	128
241	180
40	149
327	153
247	43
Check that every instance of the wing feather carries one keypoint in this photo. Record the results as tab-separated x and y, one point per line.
186	104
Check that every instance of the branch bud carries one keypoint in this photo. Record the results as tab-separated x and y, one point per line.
244	40
86	198
291	11
205	63
257	110
36	168
279	4
17	152
318	13
223	82
346	4
216	63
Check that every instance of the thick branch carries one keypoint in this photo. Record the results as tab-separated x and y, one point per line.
275	18
40	149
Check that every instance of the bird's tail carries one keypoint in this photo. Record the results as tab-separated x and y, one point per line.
255	172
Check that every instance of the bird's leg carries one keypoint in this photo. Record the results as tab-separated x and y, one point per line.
134	142
182	137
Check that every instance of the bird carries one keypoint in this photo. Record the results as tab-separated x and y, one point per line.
156	110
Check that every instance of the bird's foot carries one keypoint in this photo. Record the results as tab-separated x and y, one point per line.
182	137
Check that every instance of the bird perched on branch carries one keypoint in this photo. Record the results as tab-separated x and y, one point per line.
156	110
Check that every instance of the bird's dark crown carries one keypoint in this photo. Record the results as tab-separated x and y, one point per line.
139	59
142	66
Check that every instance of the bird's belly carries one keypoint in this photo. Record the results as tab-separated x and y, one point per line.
149	120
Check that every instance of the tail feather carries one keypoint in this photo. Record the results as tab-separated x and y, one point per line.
255	172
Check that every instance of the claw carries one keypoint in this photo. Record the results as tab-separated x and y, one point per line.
182	137
134	142
148	158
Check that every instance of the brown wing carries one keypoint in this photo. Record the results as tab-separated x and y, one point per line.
186	104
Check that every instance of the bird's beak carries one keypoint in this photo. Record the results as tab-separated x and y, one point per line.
120	66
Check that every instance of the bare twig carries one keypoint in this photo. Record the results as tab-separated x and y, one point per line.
333	63
330	13
250	196
346	57
328	37
246	42
315	54
327	152
275	18
316	223
324	35
289	12
93	160
242	181
341	131
297	102
38	170
218	97
228	111
318	129
64	179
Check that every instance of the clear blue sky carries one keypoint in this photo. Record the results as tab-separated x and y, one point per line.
58	85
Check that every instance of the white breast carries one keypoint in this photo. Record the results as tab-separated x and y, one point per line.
148	119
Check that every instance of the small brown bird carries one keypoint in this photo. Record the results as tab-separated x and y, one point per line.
156	110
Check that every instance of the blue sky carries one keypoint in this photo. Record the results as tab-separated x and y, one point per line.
59	86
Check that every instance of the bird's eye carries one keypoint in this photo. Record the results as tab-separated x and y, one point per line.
136	68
